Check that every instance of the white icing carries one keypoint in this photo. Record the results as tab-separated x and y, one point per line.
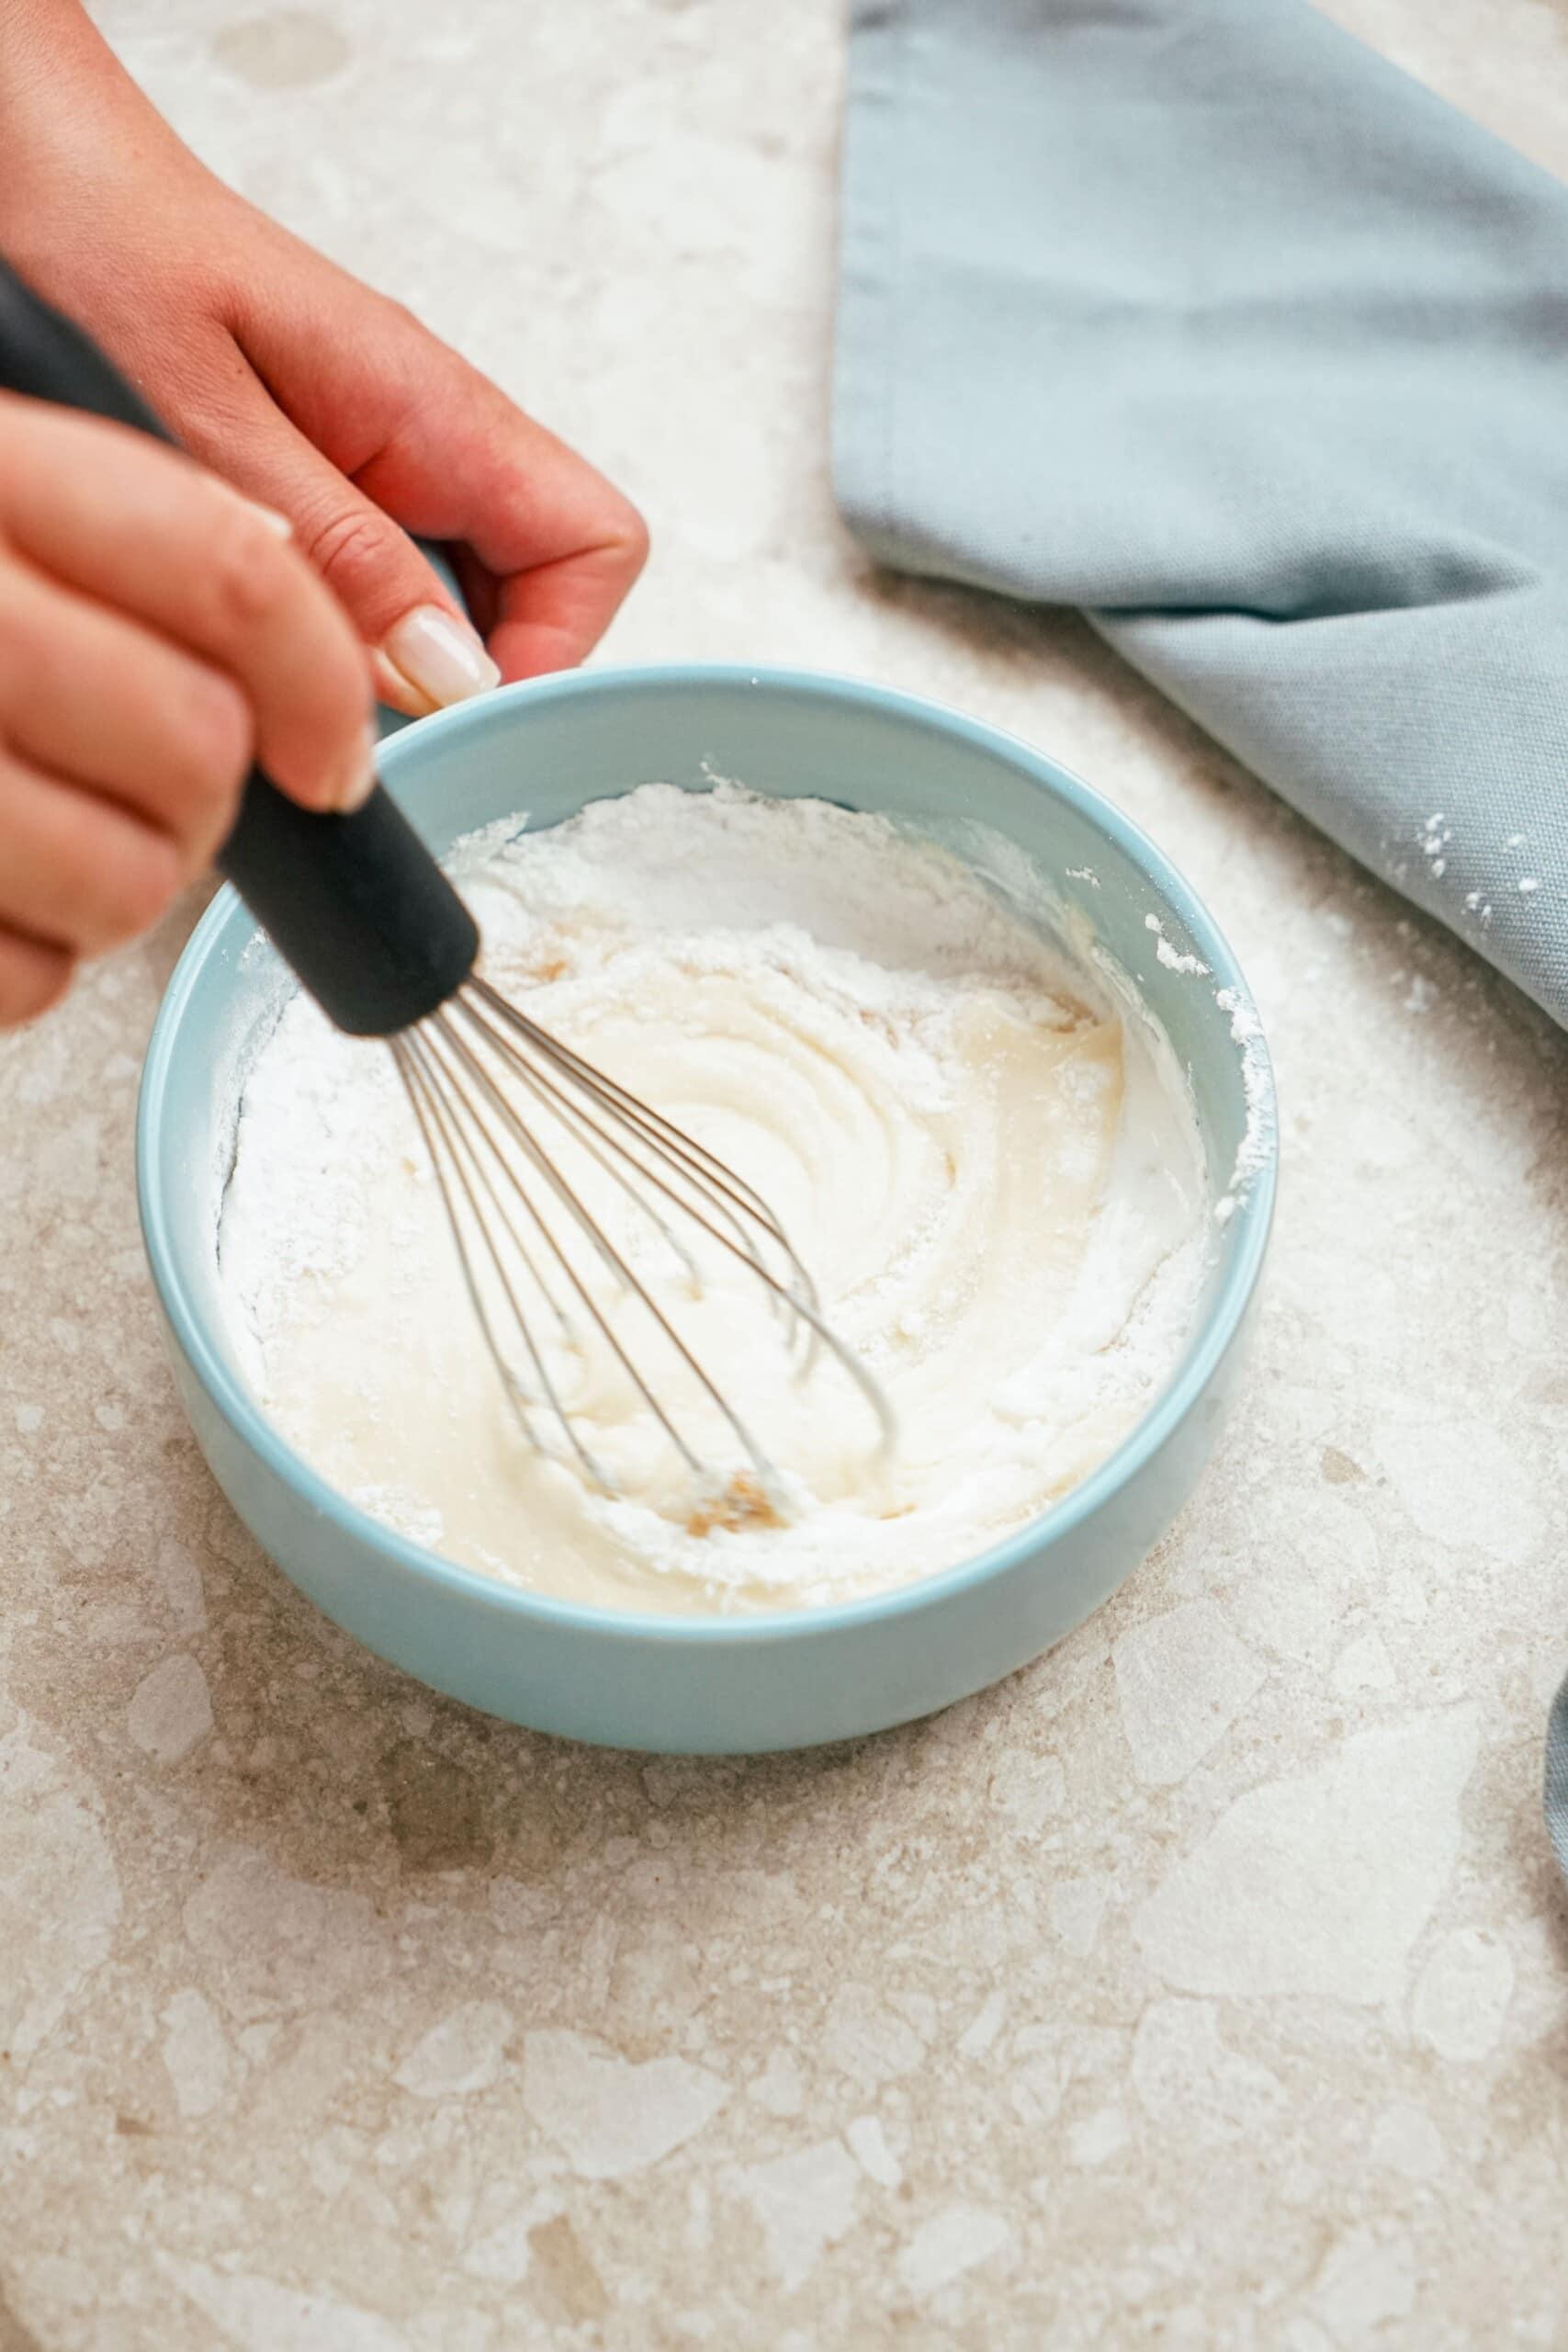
990	1162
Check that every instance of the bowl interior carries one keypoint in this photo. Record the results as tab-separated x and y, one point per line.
547	748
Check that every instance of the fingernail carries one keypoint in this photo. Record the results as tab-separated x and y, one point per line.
269	515
359	780
440	657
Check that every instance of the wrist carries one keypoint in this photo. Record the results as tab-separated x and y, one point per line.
72	123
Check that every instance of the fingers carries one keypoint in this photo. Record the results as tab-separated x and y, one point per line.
427	440
141	530
425	653
560	544
550	617
80	875
32	978
89	694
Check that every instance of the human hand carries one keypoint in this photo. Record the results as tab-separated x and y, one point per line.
301	386
157	633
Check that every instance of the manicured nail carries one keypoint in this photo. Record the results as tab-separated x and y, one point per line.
359	782
440	657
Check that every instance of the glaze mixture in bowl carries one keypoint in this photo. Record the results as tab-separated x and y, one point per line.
981	1149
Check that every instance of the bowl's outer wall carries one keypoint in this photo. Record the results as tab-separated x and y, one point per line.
793	1680
618	1689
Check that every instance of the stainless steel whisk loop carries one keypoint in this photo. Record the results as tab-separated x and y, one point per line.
483	1081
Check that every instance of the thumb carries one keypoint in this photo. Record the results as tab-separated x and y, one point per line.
425	653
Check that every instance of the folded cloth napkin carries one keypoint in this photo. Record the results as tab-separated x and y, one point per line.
1197	314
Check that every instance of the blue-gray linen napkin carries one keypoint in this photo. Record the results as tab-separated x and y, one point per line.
1200	316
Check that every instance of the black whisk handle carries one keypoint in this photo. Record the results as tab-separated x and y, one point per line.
357	905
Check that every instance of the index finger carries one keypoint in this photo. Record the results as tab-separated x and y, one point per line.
445	452
561	545
144	530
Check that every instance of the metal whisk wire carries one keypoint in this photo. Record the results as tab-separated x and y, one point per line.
464	1068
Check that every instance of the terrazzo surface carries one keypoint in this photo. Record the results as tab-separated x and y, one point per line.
1206	1985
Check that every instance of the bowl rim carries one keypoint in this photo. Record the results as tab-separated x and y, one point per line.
1250	1225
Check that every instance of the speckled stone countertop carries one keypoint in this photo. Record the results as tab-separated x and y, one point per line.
1206	1986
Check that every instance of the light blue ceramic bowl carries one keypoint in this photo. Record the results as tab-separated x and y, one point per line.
708	1684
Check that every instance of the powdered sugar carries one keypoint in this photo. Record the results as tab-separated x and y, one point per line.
1257	1145
1175	959
988	1158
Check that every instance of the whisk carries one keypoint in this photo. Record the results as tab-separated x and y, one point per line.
486	1082
377	933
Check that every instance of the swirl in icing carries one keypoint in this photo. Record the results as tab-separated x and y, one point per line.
995	1179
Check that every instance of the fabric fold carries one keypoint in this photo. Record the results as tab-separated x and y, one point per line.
1197	315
